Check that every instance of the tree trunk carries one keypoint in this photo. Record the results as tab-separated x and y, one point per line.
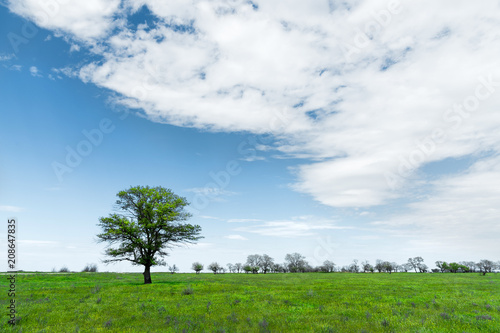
147	275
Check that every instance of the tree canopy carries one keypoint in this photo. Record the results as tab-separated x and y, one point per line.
148	222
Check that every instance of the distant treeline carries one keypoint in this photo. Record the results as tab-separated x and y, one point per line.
296	263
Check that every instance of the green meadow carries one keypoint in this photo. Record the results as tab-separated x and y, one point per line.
300	302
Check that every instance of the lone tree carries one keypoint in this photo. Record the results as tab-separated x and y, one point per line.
149	221
295	262
197	267
214	267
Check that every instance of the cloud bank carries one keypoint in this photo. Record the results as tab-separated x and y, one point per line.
367	92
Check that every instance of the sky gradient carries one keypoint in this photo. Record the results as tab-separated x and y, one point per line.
338	129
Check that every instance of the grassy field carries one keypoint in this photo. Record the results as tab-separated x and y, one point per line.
310	302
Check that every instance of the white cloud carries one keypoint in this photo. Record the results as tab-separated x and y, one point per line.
361	116
243	220
84	20
74	48
13	209
35	71
459	215
208	217
16	67
297	227
5	57
36	242
253	158
211	193
236	237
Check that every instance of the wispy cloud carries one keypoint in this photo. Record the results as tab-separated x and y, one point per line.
348	94
208	217
37	242
210	191
12	209
15	68
84	21
236	237
5	57
216	194
35	71
74	48
460	212
243	220
253	158
298	227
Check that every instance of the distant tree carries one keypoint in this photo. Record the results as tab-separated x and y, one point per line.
254	261
395	267
446	267
90	268
238	266
439	264
149	222
295	262
388	267
266	262
365	265
471	265
485	266
173	269
329	266
354	267
64	269
463	268
406	267
422	268
214	267
306	268
197	267
230	267
455	267
276	268
221	270
379	265
247	268
415	262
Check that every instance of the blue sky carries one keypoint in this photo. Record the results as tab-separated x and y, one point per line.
358	131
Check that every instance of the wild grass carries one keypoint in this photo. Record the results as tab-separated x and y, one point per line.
308	302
